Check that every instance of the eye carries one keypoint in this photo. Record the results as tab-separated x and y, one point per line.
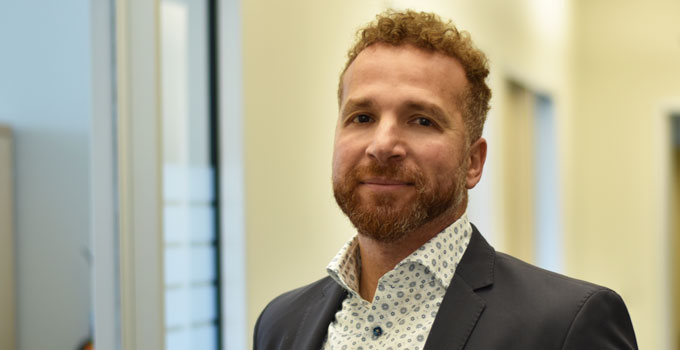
422	121
361	118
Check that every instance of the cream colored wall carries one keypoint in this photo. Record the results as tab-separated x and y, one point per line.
518	172
606	100
627	61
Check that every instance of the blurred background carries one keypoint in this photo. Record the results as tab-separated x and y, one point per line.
165	164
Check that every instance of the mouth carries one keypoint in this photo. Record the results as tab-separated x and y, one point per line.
379	181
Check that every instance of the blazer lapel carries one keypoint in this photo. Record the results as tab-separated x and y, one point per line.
462	307
318	314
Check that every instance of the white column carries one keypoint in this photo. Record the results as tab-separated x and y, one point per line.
140	174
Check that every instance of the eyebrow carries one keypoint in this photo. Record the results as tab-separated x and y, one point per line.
354	104
429	108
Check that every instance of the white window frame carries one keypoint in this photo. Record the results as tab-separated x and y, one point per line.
232	215
140	175
128	281
127	176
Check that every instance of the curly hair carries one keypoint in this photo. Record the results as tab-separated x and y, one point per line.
428	32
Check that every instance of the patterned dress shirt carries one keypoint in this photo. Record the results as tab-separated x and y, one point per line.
406	300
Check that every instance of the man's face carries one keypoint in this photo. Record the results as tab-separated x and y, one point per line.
400	158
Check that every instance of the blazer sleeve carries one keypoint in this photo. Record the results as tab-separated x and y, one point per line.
256	338
602	322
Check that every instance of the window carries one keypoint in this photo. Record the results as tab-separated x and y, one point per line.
190	205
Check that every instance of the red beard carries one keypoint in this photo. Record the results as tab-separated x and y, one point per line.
380	217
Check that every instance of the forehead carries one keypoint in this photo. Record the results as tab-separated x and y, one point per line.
396	67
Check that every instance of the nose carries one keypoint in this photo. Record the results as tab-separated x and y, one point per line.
387	144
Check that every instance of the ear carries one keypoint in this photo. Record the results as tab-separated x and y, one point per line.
476	159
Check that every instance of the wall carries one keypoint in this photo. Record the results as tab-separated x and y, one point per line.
628	76
45	97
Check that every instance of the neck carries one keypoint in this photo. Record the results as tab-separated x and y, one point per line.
378	258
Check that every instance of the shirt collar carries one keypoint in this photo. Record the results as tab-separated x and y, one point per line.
344	268
440	255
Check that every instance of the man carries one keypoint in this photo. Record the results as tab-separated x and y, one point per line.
418	275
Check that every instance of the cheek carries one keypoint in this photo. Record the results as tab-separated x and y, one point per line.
441	163
336	166
344	157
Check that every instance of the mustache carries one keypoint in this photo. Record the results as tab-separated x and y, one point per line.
389	171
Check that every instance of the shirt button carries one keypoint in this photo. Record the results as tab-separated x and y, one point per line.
377	331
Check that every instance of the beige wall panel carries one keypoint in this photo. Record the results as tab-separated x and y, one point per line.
7	276
626	64
518	165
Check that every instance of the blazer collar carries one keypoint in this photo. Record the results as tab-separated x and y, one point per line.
462	307
319	313
477	265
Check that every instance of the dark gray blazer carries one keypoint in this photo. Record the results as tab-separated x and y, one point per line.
494	301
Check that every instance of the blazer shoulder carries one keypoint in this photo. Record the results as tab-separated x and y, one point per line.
583	315
516	268
602	322
550	291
